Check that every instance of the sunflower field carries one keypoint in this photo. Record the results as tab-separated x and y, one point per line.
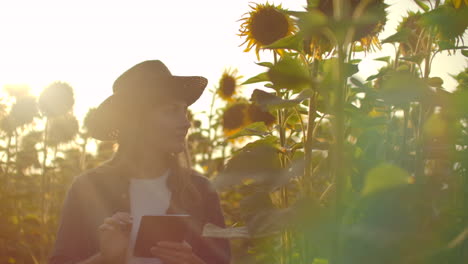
317	166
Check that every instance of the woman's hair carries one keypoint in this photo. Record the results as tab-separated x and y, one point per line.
131	149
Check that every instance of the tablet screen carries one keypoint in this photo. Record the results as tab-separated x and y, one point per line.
155	228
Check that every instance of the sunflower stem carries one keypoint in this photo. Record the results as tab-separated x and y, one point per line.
310	129
338	150
43	185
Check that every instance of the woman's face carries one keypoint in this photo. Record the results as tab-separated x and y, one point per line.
165	127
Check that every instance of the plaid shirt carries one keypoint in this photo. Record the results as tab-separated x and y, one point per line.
103	191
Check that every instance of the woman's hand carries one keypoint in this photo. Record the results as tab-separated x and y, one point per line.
114	236
175	253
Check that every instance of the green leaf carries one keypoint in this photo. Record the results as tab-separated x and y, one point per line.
415	58
355	61
268	101
240	166
465	53
265	64
435	126
350	69
402	87
383	177
269	222
290	73
293	42
400	36
384	59
422	5
254	129
262	77
446	45
435	82
310	21
361	87
449	23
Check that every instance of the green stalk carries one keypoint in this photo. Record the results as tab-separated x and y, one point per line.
338	157
310	129
42	254
419	144
210	118
405	135
83	154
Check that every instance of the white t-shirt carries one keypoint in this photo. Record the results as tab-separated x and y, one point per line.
147	197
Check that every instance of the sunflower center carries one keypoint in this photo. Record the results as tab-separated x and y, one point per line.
269	25
234	117
228	85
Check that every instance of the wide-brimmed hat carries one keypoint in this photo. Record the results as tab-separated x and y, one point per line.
145	84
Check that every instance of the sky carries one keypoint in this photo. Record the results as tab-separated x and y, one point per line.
89	43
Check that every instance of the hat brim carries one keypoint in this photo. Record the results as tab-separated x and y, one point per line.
112	113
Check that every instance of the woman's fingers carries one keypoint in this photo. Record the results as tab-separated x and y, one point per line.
120	221
123	216
106	227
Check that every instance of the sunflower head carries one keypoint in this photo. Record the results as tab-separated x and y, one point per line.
228	84
367	32
56	99
235	118
417	40
265	24
257	114
62	129
318	45
24	110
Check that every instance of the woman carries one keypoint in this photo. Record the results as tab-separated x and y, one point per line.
147	115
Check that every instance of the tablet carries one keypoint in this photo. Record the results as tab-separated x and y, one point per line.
155	228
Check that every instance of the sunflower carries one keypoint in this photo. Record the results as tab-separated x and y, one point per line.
265	24
256	114
24	110
56	99
17	90
366	33
228	84
417	40
62	129
235	118
317	45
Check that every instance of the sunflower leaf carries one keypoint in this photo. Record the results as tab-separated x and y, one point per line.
254	129
383	177
435	82
262	77
422	5
265	64
293	42
401	36
402	87
450	23
290	73
384	59
311	20
465	53
240	166
417	58
268	101
350	69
